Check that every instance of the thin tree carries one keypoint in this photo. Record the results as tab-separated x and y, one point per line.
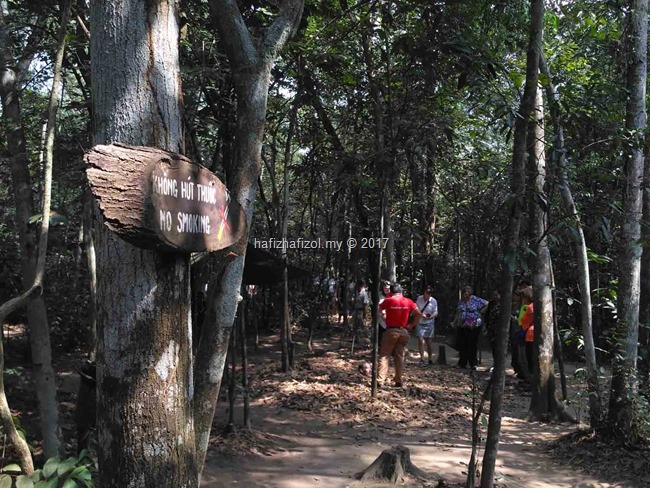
12	75
544	403
251	60
511	239
644	301
36	288
287	341
244	364
622	409
89	245
560	169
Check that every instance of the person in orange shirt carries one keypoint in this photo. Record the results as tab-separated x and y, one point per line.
527	325
396	309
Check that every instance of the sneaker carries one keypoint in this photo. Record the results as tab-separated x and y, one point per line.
397	385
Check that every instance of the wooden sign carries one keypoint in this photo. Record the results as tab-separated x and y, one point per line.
155	199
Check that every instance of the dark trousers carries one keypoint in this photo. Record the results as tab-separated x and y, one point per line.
468	339
530	357
517	360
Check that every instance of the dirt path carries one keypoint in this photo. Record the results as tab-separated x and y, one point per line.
319	429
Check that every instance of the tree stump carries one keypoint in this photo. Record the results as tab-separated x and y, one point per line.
442	355
392	466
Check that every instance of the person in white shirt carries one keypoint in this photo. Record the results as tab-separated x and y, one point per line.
361	302
426	327
331	296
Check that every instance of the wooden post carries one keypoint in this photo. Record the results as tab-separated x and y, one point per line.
442	355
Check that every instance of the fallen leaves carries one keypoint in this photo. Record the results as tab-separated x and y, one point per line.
606	460
328	387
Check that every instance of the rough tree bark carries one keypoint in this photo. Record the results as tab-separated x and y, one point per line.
622	408
251	62
564	187
11	78
644	299
144	366
511	239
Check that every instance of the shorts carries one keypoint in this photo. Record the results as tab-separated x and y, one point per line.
425	330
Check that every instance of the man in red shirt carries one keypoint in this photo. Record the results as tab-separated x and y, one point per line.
397	309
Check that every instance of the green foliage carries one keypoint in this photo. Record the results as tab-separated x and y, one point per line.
642	407
73	472
597	258
606	298
16	420
572	338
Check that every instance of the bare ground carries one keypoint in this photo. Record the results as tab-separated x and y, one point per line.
318	426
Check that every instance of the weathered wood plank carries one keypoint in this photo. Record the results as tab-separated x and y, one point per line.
155	199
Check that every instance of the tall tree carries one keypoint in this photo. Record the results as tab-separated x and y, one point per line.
286	339
144	356
512	237
644	301
560	169
13	73
544	402
622	408
251	59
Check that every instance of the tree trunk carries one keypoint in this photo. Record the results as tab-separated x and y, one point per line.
287	340
544	403
477	412
622	408
376	287
384	165
244	365
252	66
224	290
9	428
391	262
511	240
89	244
644	301
144	358
561	171
232	379
10	88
